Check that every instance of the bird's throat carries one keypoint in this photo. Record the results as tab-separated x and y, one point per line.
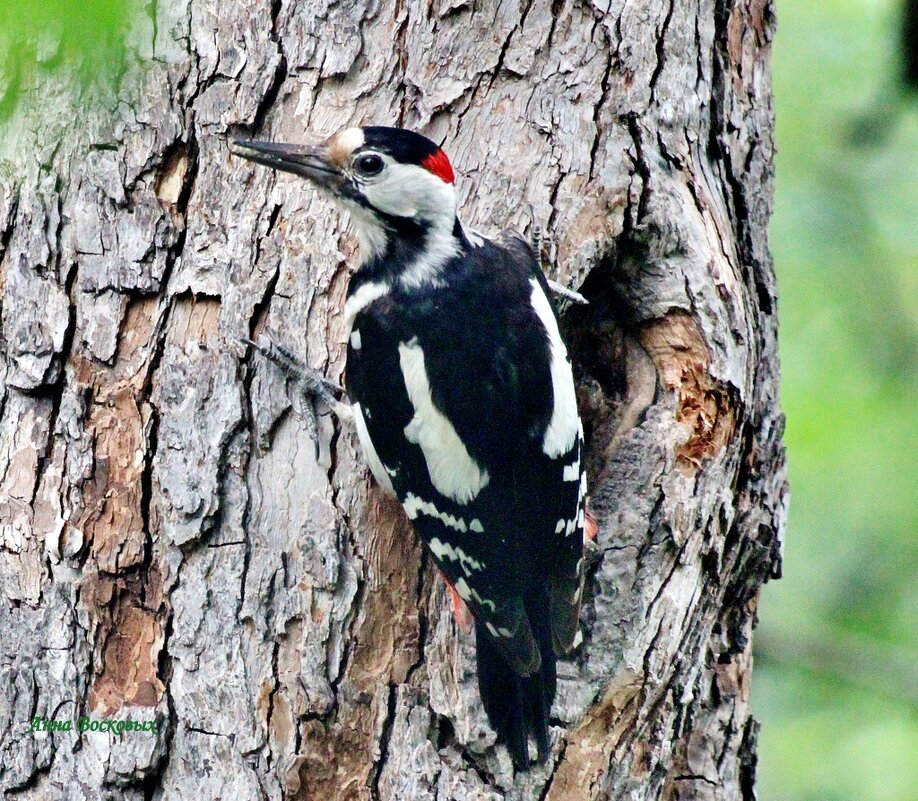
404	251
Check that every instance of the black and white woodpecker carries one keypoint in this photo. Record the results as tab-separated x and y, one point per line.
463	399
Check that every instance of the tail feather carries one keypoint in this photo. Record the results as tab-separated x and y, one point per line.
517	706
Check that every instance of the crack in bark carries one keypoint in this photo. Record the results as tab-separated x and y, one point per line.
661	51
9	224
603	98
279	76
385	736
642	170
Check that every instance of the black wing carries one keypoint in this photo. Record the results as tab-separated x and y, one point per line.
492	381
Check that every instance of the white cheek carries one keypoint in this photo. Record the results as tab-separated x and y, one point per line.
406	190
390	199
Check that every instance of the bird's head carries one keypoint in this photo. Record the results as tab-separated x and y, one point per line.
390	179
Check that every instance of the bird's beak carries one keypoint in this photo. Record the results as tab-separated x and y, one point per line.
309	162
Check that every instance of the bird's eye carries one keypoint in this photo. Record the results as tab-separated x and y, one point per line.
370	164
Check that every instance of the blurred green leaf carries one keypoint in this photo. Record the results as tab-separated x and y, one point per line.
79	40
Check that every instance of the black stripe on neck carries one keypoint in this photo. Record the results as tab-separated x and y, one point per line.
406	241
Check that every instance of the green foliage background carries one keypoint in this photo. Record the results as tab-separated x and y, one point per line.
836	677
74	39
836	683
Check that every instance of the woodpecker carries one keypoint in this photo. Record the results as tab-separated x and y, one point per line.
462	395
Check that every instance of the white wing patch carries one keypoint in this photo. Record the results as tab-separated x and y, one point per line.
443	550
414	505
467	593
453	472
582	490
562	429
380	472
505	633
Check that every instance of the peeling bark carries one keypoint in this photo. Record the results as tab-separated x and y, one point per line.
171	548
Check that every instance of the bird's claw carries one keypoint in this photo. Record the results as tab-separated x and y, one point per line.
568	294
538	241
304	407
309	385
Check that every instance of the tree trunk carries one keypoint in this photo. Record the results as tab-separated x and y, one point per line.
172	549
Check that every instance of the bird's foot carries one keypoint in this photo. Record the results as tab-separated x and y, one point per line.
543	244
308	385
568	294
546	250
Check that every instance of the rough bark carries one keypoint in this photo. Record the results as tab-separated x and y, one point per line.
169	545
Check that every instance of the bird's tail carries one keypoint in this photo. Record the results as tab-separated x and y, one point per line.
518	706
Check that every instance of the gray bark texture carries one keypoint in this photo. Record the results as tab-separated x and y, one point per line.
169	545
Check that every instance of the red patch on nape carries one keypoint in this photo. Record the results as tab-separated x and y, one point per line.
438	163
